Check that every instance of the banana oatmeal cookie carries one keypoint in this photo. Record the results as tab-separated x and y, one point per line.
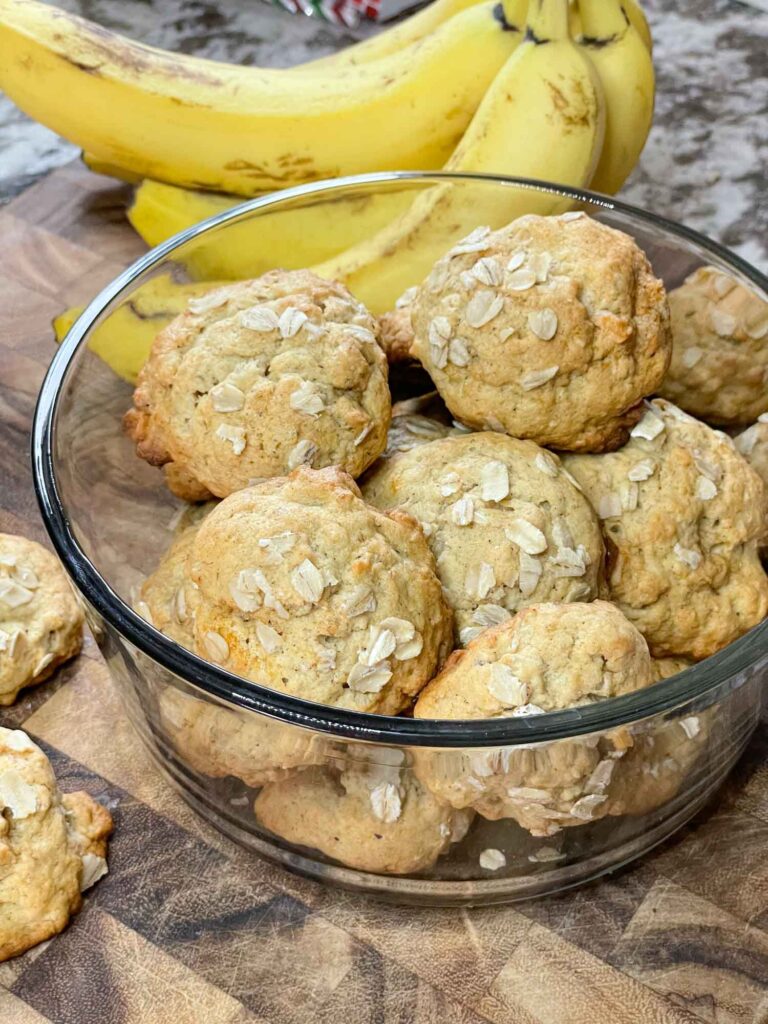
212	739
373	814
682	513
417	421
753	445
396	334
552	328
507	525
305	588
41	621
547	658
653	770
52	847
719	368
259	377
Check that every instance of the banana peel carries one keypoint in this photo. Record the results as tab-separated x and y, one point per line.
124	339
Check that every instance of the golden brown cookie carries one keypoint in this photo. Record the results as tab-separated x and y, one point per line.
682	513
305	588
665	668
753	445
51	847
372	815
41	621
552	328
259	377
417	421
168	597
180	481
213	739
547	658
219	741
657	764
506	524
660	755
396	334
719	368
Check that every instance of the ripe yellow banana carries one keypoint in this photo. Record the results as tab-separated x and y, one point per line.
93	163
625	68
633	11
290	239
636	15
421	24
124	339
209	125
542	117
408	31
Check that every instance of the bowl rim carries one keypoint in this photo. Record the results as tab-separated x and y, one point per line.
742	656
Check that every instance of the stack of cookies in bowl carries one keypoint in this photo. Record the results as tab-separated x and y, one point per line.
563	521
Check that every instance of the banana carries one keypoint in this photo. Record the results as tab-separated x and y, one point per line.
291	239
93	163
633	11
204	124
408	31
636	15
542	117
419	25
625	69
123	340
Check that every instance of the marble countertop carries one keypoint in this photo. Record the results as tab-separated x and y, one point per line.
704	163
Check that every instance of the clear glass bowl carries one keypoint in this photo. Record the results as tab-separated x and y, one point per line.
328	779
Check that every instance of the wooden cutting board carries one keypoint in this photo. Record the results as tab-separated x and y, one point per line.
189	929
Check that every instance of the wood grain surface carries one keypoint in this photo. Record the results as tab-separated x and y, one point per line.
189	929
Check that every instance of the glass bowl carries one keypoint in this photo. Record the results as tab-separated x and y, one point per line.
339	795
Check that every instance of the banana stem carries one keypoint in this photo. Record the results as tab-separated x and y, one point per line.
602	19
515	13
548	19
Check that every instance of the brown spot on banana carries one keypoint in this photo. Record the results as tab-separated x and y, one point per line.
572	115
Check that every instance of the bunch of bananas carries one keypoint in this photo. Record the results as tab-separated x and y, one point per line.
421	96
556	89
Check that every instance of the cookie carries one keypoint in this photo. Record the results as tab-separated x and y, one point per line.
51	846
168	597
373	815
665	668
507	526
663	753
259	377
305	588
180	481
552	329
657	764
218	741
417	421
396	334
753	445
41	621
682	513
719	368
212	739
547	658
